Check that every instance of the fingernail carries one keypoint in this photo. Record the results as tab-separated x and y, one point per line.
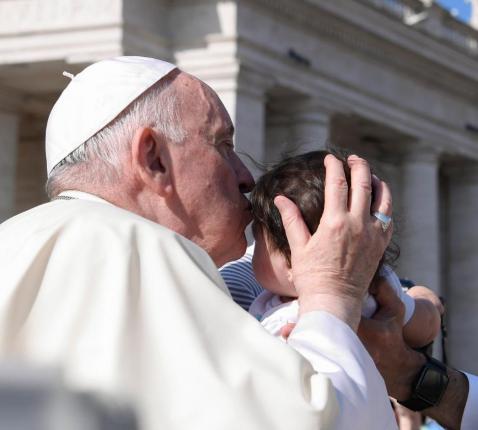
278	201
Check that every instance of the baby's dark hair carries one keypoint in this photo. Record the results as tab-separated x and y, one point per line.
302	180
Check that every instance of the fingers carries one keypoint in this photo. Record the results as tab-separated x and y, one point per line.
286	330
366	331
295	228
383	197
336	188
390	308
337	197
383	204
360	186
359	200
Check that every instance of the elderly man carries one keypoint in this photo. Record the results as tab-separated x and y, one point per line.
109	283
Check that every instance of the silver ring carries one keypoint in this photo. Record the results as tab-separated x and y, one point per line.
385	220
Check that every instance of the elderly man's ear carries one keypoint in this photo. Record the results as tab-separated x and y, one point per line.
151	161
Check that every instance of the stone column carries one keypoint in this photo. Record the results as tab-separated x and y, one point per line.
310	127
249	117
8	159
277	133
296	126
419	224
462	262
419	221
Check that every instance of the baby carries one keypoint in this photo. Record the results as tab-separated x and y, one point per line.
302	179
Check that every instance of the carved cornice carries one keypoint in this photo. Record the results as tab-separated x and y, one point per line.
76	45
31	16
387	40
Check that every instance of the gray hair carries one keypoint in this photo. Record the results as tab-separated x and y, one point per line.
97	161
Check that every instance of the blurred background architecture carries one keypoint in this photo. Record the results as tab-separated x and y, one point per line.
393	80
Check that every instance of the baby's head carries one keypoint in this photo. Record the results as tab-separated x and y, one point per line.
302	180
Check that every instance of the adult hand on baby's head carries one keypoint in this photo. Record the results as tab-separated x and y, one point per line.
332	268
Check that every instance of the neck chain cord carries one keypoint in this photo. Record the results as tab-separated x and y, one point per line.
63	198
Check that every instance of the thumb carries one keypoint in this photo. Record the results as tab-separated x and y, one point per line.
389	304
295	229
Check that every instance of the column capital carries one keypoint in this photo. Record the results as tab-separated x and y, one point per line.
253	82
310	123
417	152
302	110
311	116
322	105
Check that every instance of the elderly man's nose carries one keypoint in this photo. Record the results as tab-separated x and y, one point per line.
247	187
246	181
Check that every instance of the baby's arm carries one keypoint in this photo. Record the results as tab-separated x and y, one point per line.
424	324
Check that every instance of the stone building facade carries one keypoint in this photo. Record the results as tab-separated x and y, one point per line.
393	80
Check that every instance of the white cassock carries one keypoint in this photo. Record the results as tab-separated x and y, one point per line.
136	313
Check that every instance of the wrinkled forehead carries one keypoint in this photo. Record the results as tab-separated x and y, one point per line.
201	109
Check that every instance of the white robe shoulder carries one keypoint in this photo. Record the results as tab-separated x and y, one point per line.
130	310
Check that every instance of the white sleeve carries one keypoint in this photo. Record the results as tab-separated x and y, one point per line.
335	351
394	281
470	415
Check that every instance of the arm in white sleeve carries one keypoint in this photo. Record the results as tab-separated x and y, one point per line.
334	350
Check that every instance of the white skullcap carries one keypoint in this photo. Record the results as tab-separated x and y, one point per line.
94	98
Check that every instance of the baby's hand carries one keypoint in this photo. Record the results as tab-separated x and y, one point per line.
286	330
424	325
420	292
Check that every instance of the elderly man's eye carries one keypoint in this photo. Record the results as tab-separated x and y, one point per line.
228	145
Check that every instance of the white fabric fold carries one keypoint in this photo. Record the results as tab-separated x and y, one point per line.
134	312
335	351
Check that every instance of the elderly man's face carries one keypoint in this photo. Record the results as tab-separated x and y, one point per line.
210	179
